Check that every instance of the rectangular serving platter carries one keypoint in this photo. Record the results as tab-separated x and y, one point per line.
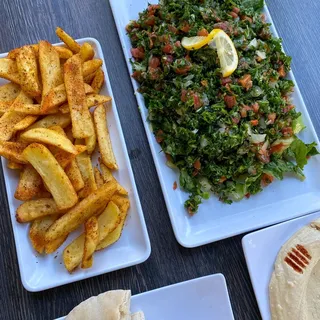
207	298
281	201
43	272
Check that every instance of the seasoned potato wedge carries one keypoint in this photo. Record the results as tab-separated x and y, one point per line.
91	240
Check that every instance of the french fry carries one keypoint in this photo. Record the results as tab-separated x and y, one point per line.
91	66
68	40
63	52
49	62
85	166
91	240
108	220
14	165
82	124
28	71
73	253
52	174
11	117
30	184
65	158
24	123
5	106
89	78
86	52
98	177
31	109
59	119
9	70
91	142
73	172
114	236
107	176
103	136
91	99
13	151
107	223
51	137
58	96
35	209
9	92
54	245
81	212
98	81
38	230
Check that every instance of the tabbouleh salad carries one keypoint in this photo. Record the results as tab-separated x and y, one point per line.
230	136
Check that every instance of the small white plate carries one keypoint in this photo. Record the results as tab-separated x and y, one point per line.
261	250
201	298
44	272
281	201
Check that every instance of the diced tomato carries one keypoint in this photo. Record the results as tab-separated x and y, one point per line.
288	108
177	44
230	101
183	70
243	112
246	18
172	29
168	157
254	122
236	10
196	101
136	75
154	73
246	81
184	95
222	179
255	107
132	25
225	81
247	195
277	148
287	132
266	179
203	32
150	21
197	165
175	185
272	117
233	15
138	53
159	136
185	27
281	71
167	48
154	62
195	172
152	8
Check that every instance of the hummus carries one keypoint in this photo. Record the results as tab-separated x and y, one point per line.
294	289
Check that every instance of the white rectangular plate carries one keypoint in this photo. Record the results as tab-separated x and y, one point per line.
44	272
282	200
261	250
201	298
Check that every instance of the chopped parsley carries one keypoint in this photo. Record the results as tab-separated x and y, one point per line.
230	136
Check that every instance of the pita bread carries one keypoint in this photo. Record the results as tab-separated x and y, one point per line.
138	316
294	289
111	305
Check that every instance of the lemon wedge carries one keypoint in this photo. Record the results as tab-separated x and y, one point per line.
227	53
194	43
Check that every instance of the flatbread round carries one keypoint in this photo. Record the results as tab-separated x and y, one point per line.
111	305
294	289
